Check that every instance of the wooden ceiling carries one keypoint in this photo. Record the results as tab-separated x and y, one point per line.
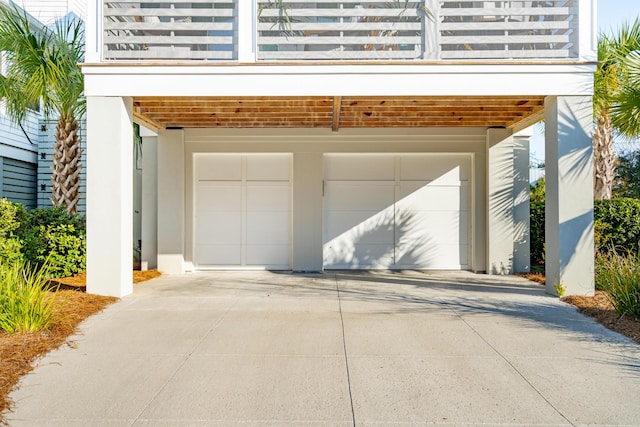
338	112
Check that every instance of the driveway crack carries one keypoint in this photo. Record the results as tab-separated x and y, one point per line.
344	348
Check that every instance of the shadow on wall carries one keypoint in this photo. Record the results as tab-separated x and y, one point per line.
418	224
577	151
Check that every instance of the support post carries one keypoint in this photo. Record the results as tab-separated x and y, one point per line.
109	196
569	194
149	198
500	189
522	200
171	201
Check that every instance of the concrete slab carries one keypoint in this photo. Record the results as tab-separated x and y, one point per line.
341	348
453	390
256	389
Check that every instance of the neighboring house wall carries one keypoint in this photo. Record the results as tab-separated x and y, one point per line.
45	161
18	163
49	11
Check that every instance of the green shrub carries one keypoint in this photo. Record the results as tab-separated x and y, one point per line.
25	305
617	225
619	276
537	233
50	216
61	245
10	245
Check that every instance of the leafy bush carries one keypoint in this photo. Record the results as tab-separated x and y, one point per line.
25	305
39	235
617	225
619	276
59	244
537	233
10	245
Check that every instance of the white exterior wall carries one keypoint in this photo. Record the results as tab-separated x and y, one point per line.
308	147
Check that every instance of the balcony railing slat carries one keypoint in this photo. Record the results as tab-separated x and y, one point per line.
335	30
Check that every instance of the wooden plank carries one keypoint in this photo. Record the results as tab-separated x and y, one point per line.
505	54
331	40
140	12
335	54
507	26
167	53
502	11
146	121
337	110
169	26
190	40
502	39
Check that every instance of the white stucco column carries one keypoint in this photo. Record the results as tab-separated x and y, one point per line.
307	211
521	200
569	194
171	203
500	188
109	196
149	199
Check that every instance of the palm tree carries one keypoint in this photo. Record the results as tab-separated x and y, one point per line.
612	90
626	110
42	68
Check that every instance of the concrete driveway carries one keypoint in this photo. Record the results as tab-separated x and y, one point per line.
411	348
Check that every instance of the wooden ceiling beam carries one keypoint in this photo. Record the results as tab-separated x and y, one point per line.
337	110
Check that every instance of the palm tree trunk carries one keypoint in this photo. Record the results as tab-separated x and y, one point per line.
604	157
66	164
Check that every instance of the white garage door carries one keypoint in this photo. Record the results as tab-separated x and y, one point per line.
396	211
242	211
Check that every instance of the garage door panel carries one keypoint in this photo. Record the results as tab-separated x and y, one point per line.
244	222
436	227
219	255
224	167
265	228
223	228
367	227
358	257
420	219
273	167
270	256
219	197
416	196
443	169
359	196
439	257
268	198
361	167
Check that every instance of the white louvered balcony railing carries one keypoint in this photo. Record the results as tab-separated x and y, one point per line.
299	30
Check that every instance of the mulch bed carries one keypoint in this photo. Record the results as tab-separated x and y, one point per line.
599	307
18	352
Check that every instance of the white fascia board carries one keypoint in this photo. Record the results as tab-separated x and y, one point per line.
340	80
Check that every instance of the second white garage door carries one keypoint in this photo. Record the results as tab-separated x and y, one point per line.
242	211
396	211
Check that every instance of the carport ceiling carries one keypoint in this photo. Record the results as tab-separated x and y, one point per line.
338	112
